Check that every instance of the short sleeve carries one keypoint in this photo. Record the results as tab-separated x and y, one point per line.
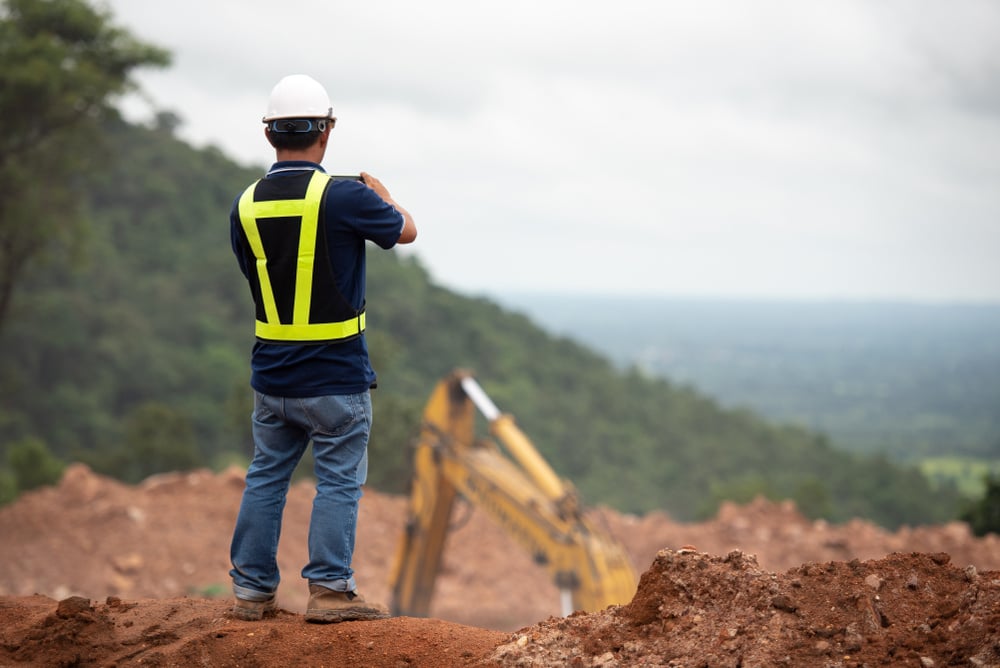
360	209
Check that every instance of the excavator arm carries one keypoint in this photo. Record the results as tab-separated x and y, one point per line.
521	492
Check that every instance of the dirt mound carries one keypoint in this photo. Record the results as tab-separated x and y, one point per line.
38	631
694	609
155	557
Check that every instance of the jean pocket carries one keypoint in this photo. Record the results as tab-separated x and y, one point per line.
335	415
262	408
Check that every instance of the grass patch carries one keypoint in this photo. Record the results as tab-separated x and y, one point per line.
967	474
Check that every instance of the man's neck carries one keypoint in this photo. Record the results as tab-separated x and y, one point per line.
306	156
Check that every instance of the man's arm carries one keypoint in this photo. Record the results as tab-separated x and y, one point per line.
236	236
409	232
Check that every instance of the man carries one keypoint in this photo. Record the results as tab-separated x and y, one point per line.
299	237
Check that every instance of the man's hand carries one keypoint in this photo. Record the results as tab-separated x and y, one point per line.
377	186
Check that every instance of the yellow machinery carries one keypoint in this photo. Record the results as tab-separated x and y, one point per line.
522	493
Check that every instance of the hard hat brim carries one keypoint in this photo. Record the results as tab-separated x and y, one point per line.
278	117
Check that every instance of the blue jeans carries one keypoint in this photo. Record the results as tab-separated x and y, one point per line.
338	427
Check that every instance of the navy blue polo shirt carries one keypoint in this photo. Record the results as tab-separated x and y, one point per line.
353	214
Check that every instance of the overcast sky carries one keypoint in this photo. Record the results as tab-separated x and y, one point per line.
777	149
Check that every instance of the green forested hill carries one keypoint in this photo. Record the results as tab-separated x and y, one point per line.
134	358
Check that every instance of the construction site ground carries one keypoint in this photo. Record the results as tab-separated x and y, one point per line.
98	573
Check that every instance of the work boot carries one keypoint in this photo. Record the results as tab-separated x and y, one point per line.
327	606
253	611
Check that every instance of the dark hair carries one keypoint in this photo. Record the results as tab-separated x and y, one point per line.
292	141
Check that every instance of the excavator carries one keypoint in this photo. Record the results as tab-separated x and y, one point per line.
519	490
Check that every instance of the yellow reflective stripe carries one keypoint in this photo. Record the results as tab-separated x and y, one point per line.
278	208
316	332
307	248
249	222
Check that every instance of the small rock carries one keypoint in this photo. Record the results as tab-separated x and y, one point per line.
72	606
927	662
606	660
782	602
127	564
874	581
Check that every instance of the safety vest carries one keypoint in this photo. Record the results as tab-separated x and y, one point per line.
291	278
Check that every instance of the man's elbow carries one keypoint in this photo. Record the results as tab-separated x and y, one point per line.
409	233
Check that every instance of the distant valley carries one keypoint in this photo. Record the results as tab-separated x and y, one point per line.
917	382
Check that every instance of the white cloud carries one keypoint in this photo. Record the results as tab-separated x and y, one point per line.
772	148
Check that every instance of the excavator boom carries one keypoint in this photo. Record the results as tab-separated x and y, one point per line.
539	510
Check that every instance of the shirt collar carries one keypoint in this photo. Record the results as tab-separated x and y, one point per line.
288	166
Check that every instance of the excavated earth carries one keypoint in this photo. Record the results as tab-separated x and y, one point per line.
98	573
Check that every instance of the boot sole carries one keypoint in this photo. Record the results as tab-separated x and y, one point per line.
252	615
345	615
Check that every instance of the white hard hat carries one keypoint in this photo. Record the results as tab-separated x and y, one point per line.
298	96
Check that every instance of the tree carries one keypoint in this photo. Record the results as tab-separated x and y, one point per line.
983	516
32	465
157	439
62	64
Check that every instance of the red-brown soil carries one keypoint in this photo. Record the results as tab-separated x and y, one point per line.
98	573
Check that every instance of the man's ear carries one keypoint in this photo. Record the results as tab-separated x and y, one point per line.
267	135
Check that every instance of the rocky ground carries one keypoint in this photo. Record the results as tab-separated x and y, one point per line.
97	573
